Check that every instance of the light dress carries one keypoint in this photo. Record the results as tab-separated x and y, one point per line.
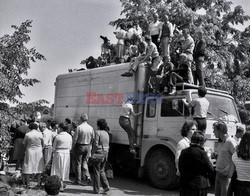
33	159
61	155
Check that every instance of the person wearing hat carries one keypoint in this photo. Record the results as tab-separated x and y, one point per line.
124	121
195	167
82	141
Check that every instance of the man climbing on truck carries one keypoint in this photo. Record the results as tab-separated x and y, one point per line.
200	106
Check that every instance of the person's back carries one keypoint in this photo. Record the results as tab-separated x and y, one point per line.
85	133
224	164
33	139
103	140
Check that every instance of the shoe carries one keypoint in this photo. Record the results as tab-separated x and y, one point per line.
96	192
132	151
106	189
165	90
127	74
80	183
88	181
172	92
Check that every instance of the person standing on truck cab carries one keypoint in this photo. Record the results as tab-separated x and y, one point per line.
124	121
199	55
200	106
82	141
187	130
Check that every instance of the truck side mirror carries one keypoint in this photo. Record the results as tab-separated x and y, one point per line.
175	105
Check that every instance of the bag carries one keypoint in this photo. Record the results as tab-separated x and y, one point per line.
98	157
109	171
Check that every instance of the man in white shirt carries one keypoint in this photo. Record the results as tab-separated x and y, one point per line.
82	141
48	139
200	106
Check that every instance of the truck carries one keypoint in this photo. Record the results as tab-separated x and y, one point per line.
100	92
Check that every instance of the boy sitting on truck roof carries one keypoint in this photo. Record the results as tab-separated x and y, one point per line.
163	80
181	74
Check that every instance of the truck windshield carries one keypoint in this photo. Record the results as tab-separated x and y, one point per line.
220	107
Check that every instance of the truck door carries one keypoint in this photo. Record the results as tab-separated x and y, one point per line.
172	114
150	117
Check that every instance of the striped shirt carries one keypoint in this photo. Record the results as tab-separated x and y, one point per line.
242	168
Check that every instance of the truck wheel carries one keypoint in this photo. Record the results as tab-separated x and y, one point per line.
161	170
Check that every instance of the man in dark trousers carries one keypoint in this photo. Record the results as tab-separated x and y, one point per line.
82	141
199	55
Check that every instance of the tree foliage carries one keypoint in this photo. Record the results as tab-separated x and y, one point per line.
228	48
15	60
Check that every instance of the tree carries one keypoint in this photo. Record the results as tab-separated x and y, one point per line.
228	48
15	60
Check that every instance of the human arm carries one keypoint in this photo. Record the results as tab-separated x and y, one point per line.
132	111
149	52
95	143
180	146
54	144
185	102
160	32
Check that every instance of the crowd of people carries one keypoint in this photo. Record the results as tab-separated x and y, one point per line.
60	146
195	168
152	47
49	148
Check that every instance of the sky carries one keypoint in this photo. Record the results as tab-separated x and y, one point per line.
65	32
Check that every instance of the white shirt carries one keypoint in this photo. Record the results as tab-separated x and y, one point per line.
127	110
184	143
200	105
62	142
154	28
242	168
47	137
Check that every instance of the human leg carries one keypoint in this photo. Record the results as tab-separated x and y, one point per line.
199	62
217	185
165	46
133	67
78	157
126	125
38	179
85	167
155	63
96	176
202	124
103	177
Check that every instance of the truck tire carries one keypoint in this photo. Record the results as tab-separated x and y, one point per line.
161	170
